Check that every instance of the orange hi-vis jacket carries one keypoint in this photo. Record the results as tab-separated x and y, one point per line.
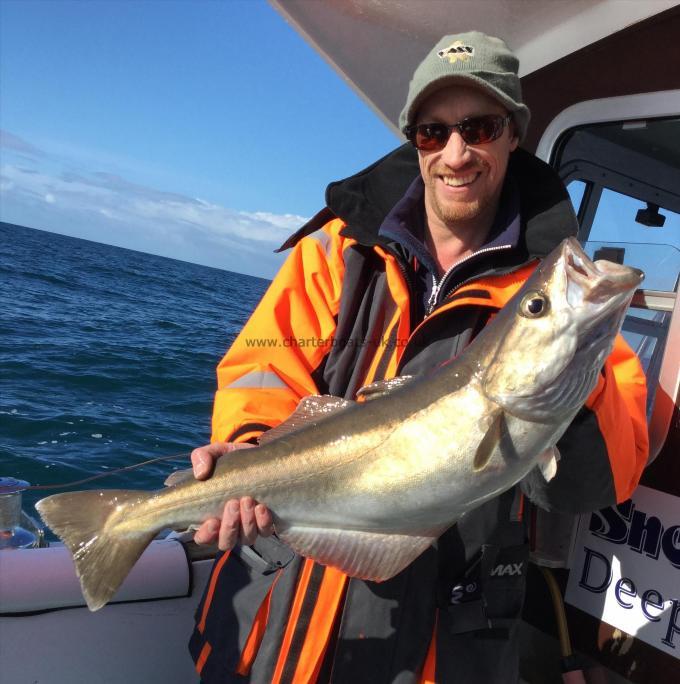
338	316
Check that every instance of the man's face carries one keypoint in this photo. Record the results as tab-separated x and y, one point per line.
463	182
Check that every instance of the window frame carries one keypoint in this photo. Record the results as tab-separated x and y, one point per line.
654	105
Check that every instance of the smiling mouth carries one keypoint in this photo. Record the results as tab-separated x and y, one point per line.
460	181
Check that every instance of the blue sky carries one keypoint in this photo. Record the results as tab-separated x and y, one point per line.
200	130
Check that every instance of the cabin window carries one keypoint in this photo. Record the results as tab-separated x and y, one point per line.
576	189
623	179
620	218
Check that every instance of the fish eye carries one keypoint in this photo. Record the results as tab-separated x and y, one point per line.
534	305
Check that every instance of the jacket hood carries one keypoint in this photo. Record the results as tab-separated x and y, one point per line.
363	200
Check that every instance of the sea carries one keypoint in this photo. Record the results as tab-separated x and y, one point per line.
107	359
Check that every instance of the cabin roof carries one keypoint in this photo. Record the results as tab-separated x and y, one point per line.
376	44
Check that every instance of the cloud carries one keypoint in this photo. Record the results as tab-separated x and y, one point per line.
288	221
9	141
107	207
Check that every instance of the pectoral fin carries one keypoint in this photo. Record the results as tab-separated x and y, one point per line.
534	484
490	441
366	555
547	463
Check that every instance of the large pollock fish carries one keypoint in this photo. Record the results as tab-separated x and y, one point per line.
367	487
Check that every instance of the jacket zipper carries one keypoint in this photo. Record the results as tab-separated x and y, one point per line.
450	291
437	287
471	279
407	279
409	284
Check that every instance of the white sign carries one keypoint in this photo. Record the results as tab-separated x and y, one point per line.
625	568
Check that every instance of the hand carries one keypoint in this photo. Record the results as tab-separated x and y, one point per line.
242	521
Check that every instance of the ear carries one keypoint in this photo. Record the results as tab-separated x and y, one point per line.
514	138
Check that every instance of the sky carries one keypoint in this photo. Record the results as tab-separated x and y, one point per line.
203	130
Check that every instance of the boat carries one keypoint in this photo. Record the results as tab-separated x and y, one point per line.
602	79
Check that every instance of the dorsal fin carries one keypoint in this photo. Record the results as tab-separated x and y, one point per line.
178	477
309	411
383	387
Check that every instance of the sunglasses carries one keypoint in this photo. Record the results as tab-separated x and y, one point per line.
477	130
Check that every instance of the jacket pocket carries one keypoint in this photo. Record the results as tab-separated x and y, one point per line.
267	555
491	593
238	588
503	584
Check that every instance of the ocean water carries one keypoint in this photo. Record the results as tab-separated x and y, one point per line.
107	358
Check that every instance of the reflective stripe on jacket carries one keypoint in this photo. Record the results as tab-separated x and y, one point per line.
338	316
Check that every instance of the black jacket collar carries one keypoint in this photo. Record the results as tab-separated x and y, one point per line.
363	201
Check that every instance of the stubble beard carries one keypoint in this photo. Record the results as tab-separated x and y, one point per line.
450	215
458	214
472	216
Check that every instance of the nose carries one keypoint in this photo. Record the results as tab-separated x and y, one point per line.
456	152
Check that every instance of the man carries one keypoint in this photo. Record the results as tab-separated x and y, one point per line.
399	272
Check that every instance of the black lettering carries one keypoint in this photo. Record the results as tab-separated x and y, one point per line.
620	588
645	534
673	626
656	603
671	545
585	575
611	523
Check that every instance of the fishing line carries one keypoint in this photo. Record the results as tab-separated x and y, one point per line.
77	483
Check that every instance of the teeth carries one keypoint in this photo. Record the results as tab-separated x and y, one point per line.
457	181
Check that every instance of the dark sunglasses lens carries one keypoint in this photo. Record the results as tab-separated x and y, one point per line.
431	137
482	129
474	131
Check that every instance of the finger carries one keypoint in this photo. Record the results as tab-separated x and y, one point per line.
264	521
207	532
231	525
202	461
248	525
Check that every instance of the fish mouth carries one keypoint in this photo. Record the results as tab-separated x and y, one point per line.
601	290
596	282
597	296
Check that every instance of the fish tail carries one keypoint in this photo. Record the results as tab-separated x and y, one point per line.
100	534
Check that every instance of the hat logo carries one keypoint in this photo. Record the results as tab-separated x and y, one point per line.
457	52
